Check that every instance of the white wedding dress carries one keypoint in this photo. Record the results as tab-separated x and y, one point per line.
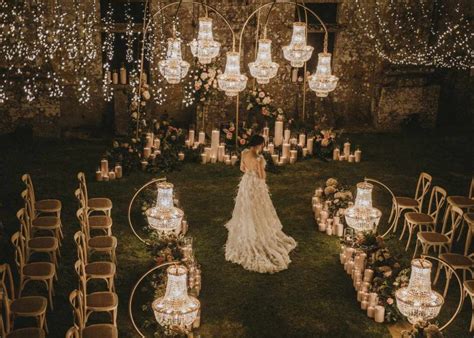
256	240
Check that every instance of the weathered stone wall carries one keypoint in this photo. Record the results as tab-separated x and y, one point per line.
370	93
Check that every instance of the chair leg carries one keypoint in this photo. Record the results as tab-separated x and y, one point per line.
472	314
398	211
404	228
416	248
410	234
438	271
392	213
50	293
448	279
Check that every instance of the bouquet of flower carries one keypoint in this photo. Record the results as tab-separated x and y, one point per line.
324	143
243	135
337	196
260	108
205	82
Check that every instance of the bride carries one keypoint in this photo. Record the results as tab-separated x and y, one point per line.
256	240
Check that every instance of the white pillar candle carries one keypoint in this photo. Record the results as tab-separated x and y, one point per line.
228	162
215	136
156	143
148	141
282	160
293	141
146	152
213	159
373	298
342	158
221	153
294	75
350	267
202	137
329	230
118	171
191	136
305	152
187	144
287	135
286	150
324	215
322	226
357	155
302	140
315	200
123	75
275	158
181	156
368	274
271	148
342	258
98	175
294	153
340	229
104	167
278	139
309	145
359	295
379	314
335	154
347	149
233	159
317	210
115	77
111	175
364	304
370	311
207	151
226	157
105	178
351	158
203	158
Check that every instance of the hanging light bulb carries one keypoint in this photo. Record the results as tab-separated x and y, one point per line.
362	216
322	81
231	81
205	48
417	301
176	310
263	69
298	52
173	68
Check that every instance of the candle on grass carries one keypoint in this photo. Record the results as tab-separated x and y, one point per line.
104	167
111	175
305	152
202	137
357	155
287	135
286	150
379	314
181	156
309	145
302	140
351	158
278	139
233	159
203	158
98	175
370	311
191	136
275	158
347	149
221	153
271	148
364	304
335	154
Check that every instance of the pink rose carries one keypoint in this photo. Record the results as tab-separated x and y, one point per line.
242	141
389	301
229	136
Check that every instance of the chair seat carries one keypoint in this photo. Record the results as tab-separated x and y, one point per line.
406	202
43	243
102	300
461	201
29	306
100	269
418	217
99	203
30	332
100	330
469	286
39	269
102	242
432	237
100	222
469	217
48	205
47	222
456	260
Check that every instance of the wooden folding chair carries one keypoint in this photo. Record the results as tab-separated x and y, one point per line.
46	206
99	222
101	204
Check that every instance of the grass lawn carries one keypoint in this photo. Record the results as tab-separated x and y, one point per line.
314	297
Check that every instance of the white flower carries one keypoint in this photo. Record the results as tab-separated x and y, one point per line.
266	100
212	73
204	75
257	100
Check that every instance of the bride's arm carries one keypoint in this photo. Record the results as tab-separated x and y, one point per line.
242	165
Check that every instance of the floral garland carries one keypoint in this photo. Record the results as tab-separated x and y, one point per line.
337	197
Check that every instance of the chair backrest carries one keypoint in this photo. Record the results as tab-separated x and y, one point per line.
437	199
25	226
18	241
452	221
471	188
81	198
3	333
81	243
83	184
73	332
26	178
81	274
422	187
29	205
6	276
76	299
83	218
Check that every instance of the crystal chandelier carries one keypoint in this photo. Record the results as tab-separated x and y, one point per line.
164	217
362	216
298	52
417	301
263	69
205	48
232	81
173	68
322	81
176	310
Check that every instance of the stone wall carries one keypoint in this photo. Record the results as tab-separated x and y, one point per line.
370	93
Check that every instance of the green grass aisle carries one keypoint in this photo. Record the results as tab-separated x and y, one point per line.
314	297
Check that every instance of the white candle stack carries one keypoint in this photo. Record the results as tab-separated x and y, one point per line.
286	138
347	155
221	153
302	140
103	173
309	145
286	150
190	138
215	136
278	139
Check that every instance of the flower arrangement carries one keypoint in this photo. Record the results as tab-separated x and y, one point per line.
260	107
336	196
242	134
324	143
205	82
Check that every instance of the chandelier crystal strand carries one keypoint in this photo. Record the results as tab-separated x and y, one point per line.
322	81
417	301
298	52
176	309
205	48
164	217
362	216
263	68
173	68
232	81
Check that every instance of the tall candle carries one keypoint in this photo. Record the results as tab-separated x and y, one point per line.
286	150
278	139
309	145
379	314
287	135
335	154
302	140
271	148
207	151
118	171
202	137
215	142
347	149
115	77
104	167
357	155
305	152
146	152
203	158
221	153
294	75
123	75
191	137
340	229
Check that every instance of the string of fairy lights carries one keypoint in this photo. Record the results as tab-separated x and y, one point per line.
426	33
45	45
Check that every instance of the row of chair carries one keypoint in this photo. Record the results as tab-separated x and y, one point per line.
94	237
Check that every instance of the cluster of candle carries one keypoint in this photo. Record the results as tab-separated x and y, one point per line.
354	262
347	155
104	174
289	145
330	225
194	271
151	150
216	153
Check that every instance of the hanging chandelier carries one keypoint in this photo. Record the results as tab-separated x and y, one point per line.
176	310
322	81
164	217
417	301
362	216
205	48
298	52
263	68
232	81
173	68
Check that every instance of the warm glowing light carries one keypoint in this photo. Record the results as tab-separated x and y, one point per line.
231	81
298	52
173	68
362	216
205	48
264	69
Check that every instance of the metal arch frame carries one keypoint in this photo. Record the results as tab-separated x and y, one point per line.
130	224
132	294
461	290
146	25
394	201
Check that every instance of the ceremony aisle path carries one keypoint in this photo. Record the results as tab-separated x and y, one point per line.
313	298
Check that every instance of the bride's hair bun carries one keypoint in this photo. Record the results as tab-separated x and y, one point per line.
256	140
